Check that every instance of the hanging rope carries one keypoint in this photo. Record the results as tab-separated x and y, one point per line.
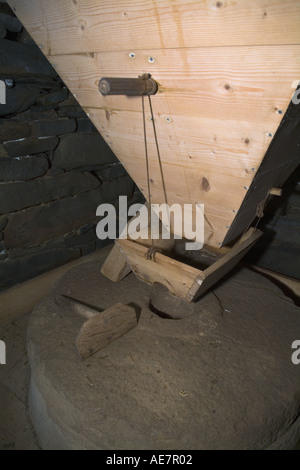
158	153
150	255
151	252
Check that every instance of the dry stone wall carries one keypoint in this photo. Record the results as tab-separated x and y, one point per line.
55	168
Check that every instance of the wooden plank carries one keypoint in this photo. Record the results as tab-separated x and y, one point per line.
219	145
63	27
249	83
176	276
104	328
115	267
217	270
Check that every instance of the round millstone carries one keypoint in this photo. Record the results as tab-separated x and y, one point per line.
219	378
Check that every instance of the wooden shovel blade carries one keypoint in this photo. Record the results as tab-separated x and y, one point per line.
105	327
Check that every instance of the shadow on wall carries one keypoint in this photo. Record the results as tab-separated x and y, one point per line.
279	248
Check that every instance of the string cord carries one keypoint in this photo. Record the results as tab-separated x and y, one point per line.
150	255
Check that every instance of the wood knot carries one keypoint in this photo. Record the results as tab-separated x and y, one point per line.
205	184
219	4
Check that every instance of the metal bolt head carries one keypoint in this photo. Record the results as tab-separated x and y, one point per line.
104	86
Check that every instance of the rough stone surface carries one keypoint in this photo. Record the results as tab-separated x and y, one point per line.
3	32
23	168
76	151
31	145
221	378
11	23
168	305
25	38
56	171
3	222
85	126
113	171
33	115
16	270
71	111
12	129
23	60
3	152
70	101
53	97
45	128
20	195
18	99
41	223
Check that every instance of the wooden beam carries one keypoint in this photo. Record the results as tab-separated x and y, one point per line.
222	266
84	26
176	276
183	280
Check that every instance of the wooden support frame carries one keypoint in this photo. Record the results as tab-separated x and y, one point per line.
181	279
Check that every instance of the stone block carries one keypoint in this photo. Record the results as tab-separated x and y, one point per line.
82	150
23	60
11	129
53	98
31	145
15	196
45	128
18	98
39	224
23	168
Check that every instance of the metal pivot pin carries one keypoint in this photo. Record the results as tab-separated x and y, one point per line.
143	85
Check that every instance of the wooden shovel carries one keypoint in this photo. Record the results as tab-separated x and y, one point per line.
100	328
